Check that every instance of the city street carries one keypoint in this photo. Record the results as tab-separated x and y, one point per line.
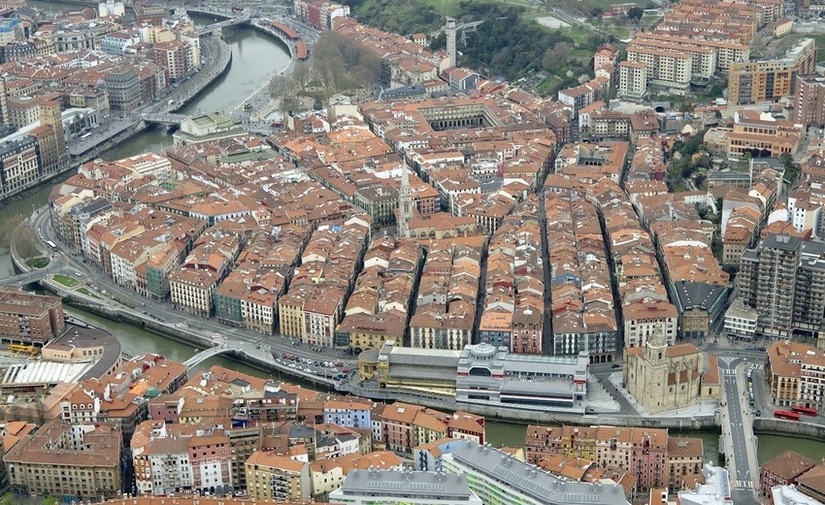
255	344
737	430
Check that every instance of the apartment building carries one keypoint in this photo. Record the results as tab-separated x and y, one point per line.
647	317
120	397
770	80
181	459
783	280
271	476
666	69
795	373
782	470
20	165
496	476
123	88
632	80
193	290
351	414
89	453
649	454
172	56
739	233
582	301
724	52
809	100
30	319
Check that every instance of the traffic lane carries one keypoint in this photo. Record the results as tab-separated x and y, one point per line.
736	430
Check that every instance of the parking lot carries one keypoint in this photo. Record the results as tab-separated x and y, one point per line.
327	369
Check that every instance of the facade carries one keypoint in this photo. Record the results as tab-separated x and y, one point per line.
769	80
30	319
180	458
632	80
393	487
499	479
794	374
783	280
90	453
809	100
271	476
19	165
123	88
783	470
654	458
663	377
666	69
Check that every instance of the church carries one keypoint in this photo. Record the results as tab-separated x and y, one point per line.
663	377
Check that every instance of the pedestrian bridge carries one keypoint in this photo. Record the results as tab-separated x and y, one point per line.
204	355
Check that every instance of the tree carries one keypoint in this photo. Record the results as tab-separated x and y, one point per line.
289	103
25	243
556	56
280	86
301	74
635	13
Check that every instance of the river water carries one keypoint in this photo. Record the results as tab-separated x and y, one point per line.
255	58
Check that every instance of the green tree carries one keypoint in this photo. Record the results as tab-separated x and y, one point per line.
635	13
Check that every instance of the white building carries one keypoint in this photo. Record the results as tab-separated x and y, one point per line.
740	320
632	80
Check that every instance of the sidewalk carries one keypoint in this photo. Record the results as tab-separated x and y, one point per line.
702	408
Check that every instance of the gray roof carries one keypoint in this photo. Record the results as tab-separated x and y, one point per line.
531	481
698	294
782	242
422	372
396	483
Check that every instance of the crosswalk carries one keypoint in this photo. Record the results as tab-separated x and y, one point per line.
747	484
728	371
759	367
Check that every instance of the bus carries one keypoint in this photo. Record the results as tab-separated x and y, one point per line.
51	244
805	411
786	414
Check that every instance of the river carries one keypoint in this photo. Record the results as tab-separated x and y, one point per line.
255	58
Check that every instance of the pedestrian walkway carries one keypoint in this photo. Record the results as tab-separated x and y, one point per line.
599	399
702	408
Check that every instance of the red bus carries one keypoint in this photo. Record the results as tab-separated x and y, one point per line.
786	414
805	411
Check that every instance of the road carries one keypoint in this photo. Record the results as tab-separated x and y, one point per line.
737	430
162	312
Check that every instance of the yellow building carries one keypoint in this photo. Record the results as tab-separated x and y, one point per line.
271	476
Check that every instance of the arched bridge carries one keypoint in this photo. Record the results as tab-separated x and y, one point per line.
204	355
